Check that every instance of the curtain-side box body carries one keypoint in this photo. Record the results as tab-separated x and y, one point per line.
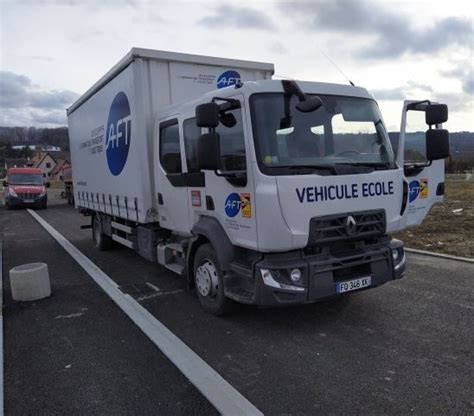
111	127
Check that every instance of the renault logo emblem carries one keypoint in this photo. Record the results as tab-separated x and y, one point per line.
351	225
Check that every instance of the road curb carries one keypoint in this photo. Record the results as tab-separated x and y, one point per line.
439	255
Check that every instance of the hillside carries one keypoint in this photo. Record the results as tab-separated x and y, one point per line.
462	143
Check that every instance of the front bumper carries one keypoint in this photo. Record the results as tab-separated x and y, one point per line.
320	274
33	201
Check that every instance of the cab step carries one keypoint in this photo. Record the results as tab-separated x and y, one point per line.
171	255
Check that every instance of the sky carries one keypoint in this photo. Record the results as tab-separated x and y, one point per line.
52	51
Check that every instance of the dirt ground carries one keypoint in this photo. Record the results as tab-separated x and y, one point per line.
449	227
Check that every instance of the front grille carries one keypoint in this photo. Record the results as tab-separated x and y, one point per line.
27	196
338	227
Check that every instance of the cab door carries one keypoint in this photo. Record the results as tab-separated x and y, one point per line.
171	181
421	152
230	189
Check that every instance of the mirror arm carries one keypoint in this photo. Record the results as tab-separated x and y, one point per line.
413	106
229	103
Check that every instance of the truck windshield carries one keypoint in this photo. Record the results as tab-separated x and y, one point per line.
343	131
26	179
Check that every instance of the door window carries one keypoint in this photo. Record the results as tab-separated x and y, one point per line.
191	135
415	137
170	150
232	143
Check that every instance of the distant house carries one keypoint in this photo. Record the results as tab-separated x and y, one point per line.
57	172
45	162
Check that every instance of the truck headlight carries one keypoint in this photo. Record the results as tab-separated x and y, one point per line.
269	280
395	256
12	192
43	191
398	256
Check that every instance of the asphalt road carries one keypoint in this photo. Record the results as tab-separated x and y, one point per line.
403	348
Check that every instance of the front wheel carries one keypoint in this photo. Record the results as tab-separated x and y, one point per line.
209	281
101	241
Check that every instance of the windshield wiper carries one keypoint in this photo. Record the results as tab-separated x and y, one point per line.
376	165
312	167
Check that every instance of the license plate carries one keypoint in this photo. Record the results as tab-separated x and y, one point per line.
355	284
28	200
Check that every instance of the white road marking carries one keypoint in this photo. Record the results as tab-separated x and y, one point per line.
225	398
158	294
155	288
72	315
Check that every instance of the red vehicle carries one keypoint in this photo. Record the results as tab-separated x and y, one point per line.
25	187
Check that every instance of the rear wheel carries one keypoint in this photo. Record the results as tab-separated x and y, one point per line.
101	240
209	281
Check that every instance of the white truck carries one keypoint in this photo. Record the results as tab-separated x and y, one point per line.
260	191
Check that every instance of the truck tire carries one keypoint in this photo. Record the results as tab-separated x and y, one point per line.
101	241
209	281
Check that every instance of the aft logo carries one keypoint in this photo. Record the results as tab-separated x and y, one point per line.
418	189
236	203
118	133
228	78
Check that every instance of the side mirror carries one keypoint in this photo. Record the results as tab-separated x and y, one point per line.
309	105
208	151
437	144
436	114
47	184
5	183
207	115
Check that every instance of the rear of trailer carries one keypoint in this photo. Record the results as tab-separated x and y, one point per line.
111	126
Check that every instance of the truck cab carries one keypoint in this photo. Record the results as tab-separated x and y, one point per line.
295	186
25	187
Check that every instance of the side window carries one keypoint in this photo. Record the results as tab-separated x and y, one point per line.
191	134
232	141
415	136
170	152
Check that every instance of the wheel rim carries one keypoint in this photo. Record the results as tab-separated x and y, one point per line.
207	279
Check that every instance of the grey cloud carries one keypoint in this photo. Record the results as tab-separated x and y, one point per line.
464	72
393	34
277	47
457	102
238	17
21	100
468	85
407	91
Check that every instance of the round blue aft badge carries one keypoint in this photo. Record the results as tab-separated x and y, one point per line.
413	190
228	78
232	205
118	133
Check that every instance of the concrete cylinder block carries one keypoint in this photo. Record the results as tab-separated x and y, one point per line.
30	282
